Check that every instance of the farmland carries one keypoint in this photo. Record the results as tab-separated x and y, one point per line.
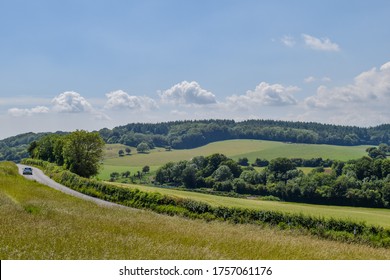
372	216
41	223
234	149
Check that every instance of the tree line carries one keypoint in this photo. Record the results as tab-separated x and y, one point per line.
361	182
191	134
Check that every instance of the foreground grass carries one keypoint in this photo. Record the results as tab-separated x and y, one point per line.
235	149
40	223
372	216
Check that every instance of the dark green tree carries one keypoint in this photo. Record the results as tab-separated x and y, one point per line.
83	152
223	173
145	169
189	176
243	161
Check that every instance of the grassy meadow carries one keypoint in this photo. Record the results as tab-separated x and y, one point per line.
372	216
235	149
41	223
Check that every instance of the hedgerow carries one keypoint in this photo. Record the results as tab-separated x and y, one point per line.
329	228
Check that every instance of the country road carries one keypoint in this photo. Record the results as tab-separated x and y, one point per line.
40	177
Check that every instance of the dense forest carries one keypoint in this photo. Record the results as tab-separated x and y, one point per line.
191	134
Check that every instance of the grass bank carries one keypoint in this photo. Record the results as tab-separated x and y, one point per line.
371	216
40	223
329	228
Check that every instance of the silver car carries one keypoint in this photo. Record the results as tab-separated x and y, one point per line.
27	171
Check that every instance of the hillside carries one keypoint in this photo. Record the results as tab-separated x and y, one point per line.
235	149
41	223
193	134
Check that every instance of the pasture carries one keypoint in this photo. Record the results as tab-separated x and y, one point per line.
41	223
235	149
372	216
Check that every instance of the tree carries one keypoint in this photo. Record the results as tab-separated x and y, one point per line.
261	162
121	153
376	153
83	152
126	174
281	165
114	176
32	149
145	169
143	147
189	176
223	173
128	150
243	161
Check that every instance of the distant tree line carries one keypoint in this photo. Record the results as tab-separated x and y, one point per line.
191	134
361	182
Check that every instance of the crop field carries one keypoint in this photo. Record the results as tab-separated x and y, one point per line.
235	149
372	216
41	223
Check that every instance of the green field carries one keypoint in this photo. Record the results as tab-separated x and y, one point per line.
40	223
373	216
235	149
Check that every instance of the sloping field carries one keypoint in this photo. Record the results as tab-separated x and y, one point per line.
41	223
235	149
373	216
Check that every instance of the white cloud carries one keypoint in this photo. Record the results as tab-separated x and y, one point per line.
321	44
265	94
363	102
370	87
119	99
17	112
288	41
312	79
187	93
71	102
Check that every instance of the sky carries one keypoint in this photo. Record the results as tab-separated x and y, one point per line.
67	65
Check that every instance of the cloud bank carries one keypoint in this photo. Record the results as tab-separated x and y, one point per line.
187	93
17	112
120	100
267	95
71	102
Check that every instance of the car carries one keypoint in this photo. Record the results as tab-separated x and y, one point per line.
27	171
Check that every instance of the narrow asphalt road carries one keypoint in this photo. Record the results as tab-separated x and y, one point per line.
40	177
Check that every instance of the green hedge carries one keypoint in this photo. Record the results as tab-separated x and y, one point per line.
335	229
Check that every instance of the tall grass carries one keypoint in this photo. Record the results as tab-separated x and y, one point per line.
64	227
372	216
346	230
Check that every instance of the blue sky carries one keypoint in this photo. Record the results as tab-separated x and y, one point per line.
69	65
